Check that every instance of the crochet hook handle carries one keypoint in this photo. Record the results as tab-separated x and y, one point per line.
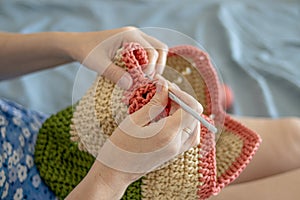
188	109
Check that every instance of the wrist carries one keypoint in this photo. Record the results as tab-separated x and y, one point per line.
101	182
78	45
115	182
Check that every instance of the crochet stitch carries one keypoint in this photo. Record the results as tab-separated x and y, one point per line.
197	173
66	166
59	161
135	59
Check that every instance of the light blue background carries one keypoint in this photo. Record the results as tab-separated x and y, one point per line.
256	45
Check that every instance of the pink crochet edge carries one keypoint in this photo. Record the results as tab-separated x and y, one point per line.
206	70
207	163
210	184
251	143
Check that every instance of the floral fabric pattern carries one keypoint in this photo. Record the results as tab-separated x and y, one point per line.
19	177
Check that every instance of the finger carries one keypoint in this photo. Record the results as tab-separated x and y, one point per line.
187	132
173	106
118	75
162	50
157	44
180	119
152	54
194	138
157	54
154	107
161	61
186	98
152	57
173	127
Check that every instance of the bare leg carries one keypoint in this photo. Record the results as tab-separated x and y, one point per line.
280	148
275	170
276	187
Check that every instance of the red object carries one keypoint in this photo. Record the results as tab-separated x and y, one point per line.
228	98
135	58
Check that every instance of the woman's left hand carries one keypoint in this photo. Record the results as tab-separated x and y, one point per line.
96	51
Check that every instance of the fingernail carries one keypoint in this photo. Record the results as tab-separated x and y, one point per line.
125	81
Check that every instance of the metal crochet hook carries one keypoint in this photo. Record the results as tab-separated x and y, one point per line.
188	109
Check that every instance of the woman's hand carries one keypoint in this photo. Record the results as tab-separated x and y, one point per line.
96	51
24	53
140	145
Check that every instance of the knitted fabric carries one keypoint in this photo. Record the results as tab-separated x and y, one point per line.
182	177
61	165
65	166
197	173
141	92
87	124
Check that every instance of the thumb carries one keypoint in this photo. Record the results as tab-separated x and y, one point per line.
118	75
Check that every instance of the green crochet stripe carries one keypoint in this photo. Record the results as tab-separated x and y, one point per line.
134	191
60	163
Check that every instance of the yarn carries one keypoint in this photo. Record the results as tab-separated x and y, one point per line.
135	59
61	165
86	123
58	160
228	97
198	173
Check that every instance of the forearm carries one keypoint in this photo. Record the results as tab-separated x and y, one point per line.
101	183
25	53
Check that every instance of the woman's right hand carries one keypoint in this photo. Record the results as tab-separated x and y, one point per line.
139	146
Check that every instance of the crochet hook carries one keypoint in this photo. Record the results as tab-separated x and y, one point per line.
188	109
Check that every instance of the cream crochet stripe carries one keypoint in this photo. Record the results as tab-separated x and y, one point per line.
96	115
168	180
229	142
94	120
199	172
85	128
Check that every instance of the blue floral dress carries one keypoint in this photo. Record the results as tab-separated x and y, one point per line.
19	177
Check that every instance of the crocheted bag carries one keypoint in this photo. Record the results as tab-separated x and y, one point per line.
69	141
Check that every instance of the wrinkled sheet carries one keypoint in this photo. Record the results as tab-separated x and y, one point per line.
255	45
